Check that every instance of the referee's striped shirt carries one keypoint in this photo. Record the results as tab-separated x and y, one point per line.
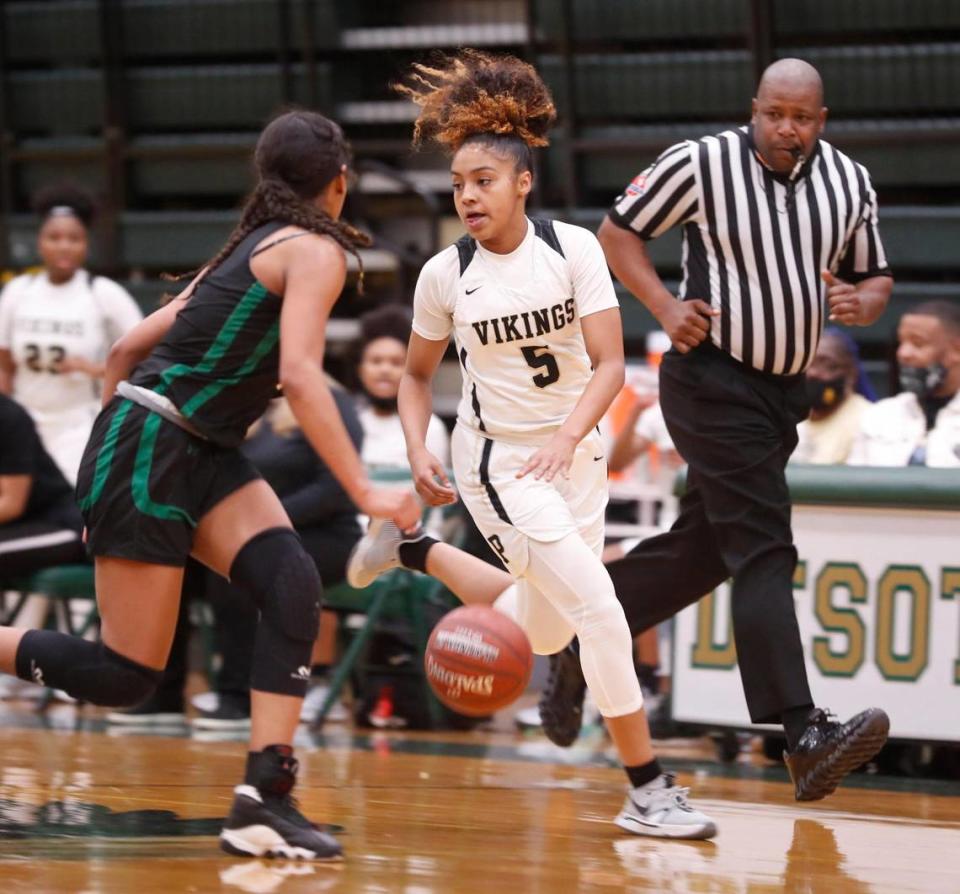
755	241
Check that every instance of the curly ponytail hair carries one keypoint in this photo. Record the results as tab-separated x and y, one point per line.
297	156
474	97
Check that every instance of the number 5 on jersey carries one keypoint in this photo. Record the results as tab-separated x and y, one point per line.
545	361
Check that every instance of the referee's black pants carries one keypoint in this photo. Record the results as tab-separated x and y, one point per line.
736	428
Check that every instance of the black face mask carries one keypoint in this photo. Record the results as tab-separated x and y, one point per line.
383	404
922	380
825	395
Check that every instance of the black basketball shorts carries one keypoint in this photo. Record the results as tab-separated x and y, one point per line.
145	483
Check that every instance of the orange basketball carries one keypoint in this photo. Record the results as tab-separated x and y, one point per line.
477	660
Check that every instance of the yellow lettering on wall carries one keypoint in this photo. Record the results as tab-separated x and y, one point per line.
707	652
950	588
911	581
843	662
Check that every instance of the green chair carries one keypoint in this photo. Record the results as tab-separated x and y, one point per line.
400	594
62	585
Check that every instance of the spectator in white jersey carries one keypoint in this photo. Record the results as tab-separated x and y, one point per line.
56	327
383	354
920	426
839	393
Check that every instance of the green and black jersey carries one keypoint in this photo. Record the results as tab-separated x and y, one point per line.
219	362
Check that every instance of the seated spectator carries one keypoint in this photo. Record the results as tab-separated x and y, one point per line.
644	431
40	524
383	355
839	393
921	424
56	327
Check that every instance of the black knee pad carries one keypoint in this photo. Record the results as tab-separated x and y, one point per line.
283	581
91	672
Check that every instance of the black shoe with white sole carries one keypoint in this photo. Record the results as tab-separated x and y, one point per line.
264	820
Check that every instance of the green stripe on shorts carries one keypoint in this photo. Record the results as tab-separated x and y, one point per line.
105	457
140	483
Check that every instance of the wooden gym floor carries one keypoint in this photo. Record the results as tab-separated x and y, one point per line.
85	810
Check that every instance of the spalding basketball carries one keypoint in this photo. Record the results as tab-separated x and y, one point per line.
477	660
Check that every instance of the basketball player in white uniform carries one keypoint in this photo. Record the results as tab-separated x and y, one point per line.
56	327
536	325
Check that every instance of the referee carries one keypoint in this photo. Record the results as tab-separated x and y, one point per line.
779	232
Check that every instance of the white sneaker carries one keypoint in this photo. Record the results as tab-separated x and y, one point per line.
313	702
377	551
528	718
660	809
206	701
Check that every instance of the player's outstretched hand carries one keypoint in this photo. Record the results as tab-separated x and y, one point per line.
843	300
430	479
687	323
401	506
555	456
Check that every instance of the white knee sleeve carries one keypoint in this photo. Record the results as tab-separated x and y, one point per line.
547	630
574	581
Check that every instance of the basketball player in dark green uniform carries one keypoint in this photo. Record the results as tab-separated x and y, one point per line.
162	479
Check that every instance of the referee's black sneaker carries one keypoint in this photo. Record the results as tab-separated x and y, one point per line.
561	702
265	821
828	750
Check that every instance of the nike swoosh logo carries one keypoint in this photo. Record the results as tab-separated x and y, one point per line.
471	291
597	459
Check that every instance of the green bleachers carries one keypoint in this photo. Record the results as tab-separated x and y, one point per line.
61	101
650	20
46	158
209	97
50	31
67	31
647	20
861	81
834	18
888	80
655	85
175	28
210	164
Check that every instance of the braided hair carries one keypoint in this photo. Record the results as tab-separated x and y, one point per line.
298	154
499	102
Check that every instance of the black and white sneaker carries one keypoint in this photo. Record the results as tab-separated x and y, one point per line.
265	821
260	826
661	810
231	713
153	712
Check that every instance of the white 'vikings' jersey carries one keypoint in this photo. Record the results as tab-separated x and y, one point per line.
42	323
516	322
